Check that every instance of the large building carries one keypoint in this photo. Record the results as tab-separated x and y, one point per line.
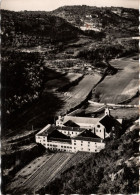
102	127
74	134
52	138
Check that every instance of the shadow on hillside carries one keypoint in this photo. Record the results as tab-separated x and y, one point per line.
35	115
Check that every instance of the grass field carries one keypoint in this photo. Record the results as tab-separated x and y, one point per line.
77	94
121	86
52	104
56	84
126	113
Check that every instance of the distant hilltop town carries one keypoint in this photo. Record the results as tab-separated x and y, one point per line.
73	134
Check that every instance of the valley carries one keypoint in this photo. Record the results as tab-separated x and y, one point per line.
75	61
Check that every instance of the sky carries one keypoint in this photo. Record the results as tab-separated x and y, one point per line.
49	5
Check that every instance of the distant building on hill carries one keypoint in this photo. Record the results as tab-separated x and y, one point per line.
74	134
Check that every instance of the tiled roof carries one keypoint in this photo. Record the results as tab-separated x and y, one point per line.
70	128
46	130
87	135
78	120
108	122
70	123
58	136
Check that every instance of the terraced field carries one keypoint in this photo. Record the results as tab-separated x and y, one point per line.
79	157
77	94
64	81
56	103
122	86
38	173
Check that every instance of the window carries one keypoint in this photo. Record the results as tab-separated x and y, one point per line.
74	143
81	141
74	148
81	148
88	142
96	130
61	146
88	149
72	132
98	126
81	144
100	130
74	140
64	146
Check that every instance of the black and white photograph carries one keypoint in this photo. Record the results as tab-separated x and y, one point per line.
69	97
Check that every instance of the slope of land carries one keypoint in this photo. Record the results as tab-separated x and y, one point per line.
121	86
38	49
40	175
113	170
55	103
114	20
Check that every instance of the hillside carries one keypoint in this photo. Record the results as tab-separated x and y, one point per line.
115	20
113	170
47	47
34	28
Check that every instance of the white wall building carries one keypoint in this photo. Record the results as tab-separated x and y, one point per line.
74	134
53	138
100	126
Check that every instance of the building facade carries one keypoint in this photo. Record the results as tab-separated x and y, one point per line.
73	134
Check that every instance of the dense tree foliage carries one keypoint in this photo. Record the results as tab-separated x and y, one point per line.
115	21
23	75
38	28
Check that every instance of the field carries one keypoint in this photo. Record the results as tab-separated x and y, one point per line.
31	178
77	94
79	157
64	81
121	86
125	113
38	173
122	113
52	104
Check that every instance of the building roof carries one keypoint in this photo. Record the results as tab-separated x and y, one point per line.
70	123
46	130
109	121
79	120
58	136
78	129
87	135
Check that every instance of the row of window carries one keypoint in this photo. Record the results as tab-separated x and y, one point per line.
61	150
70	132
82	143
82	149
57	145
